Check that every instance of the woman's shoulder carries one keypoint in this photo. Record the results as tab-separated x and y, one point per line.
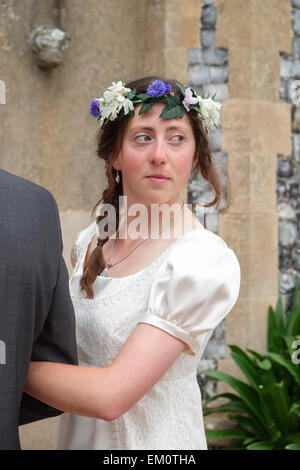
196	234
201	238
201	248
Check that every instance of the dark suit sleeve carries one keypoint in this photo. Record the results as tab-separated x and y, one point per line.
57	340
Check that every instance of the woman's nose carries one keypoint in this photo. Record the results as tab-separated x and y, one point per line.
158	153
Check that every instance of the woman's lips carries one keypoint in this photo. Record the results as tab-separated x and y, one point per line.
157	180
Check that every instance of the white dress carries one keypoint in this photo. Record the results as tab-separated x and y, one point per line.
186	291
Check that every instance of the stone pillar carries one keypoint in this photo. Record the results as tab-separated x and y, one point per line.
171	27
256	127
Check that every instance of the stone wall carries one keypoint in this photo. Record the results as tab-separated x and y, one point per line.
239	57
228	46
288	166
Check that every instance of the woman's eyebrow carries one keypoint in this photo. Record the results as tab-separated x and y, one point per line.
141	128
149	129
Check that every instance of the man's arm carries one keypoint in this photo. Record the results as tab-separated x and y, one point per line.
57	340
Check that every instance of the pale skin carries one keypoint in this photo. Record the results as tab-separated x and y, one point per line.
150	145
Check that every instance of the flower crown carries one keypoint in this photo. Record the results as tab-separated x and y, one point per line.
118	101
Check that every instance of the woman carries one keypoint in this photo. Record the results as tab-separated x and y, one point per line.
143	328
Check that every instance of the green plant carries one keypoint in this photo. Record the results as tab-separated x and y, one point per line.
267	408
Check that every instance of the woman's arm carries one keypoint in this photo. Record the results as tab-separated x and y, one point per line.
109	392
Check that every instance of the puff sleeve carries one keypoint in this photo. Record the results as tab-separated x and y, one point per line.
195	287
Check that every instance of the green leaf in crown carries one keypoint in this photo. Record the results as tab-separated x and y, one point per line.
173	109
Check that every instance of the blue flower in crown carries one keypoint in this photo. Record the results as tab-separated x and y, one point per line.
95	107
158	88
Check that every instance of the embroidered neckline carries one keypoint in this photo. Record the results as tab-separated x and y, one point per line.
139	276
157	257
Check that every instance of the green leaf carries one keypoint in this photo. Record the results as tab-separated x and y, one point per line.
181	88
249	440
280	315
275	342
219	395
295	438
293	447
244	422
227	433
195	106
143	97
236	404
265	364
255	355
270	426
173	100
131	94
247	394
293	418
261	431
136	100
172	112
263	445
246	365
146	107
295	408
278	403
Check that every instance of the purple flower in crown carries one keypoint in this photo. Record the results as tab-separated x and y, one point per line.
95	107
158	88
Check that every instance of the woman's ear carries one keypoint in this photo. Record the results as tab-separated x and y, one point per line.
195	161
116	164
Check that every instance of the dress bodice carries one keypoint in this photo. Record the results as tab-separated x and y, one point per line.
186	290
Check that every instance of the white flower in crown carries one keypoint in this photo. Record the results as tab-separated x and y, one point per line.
113	100
210	111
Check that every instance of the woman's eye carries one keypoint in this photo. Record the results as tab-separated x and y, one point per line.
142	138
177	138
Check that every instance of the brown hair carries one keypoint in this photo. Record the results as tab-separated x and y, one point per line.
109	143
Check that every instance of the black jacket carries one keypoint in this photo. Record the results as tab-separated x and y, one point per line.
37	319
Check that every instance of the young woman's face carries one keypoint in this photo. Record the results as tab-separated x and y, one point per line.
152	145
